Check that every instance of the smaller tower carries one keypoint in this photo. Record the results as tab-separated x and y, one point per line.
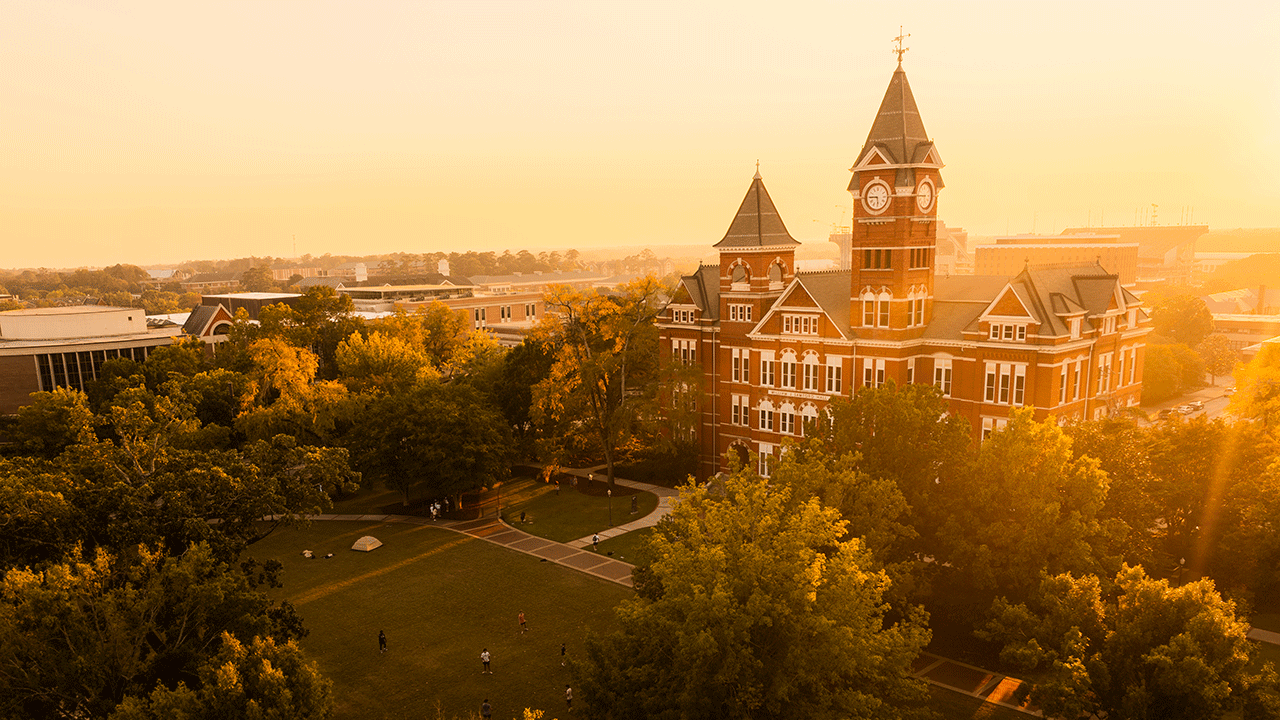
757	260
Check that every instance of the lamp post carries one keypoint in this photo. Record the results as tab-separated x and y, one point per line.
610	494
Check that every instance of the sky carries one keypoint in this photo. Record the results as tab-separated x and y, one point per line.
156	132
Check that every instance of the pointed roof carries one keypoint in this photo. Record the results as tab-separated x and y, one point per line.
757	223
898	130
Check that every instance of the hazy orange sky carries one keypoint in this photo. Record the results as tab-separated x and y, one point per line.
156	132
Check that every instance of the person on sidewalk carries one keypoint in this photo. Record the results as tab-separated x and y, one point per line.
484	658
595	542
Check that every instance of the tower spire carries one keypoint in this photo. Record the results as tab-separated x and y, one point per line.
898	40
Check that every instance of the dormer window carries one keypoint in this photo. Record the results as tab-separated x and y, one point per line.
1075	328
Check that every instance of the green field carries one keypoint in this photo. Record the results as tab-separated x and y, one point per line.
441	597
573	513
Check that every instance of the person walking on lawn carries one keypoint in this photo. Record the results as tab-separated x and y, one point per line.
484	658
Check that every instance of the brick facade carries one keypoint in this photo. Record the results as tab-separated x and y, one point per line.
775	345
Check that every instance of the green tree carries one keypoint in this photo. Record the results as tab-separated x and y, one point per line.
907	436
606	364
523	367
1183	319
1161	374
1122	449
53	422
1218	357
1140	650
258	279
764	612
77	637
1028	506
1258	387
260	679
438	437
381	363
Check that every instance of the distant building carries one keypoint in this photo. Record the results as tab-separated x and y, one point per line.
1010	254
44	348
212	282
1244	330
355	271
287	273
953	256
251	302
1166	253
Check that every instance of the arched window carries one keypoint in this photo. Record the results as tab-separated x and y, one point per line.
788	370
882	311
775	275
766	416
787	419
810	374
868	308
739	274
808	415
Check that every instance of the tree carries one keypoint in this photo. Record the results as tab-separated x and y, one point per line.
77	637
1161	374
1219	358
287	399
606	362
1122	449
907	436
1183	319
1258	387
1028	506
440	436
1140	650
258	279
381	363
764	612
523	367
258	679
53	422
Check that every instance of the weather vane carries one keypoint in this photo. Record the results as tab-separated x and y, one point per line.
899	49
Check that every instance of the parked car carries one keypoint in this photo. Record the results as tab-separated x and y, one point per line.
1229	392
1196	404
1165	413
1186	409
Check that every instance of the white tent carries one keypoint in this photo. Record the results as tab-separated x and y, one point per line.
367	543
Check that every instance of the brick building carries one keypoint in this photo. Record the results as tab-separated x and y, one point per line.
776	345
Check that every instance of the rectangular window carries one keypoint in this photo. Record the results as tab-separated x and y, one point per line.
1062	390
811	377
1120	374
866	259
884	312
868	312
766	419
788	374
788	423
911	313
786	323
942	378
766	459
911	371
1133	363
1008	332
1022	333
879	259
1004	384
1075	385
1019	384
987	425
868	373
888	259
919	311
746	313
833	378
879	373
995	332
739	361
741	412
991	384
766	372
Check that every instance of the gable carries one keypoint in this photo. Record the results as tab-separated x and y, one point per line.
794	298
1007	304
874	157
681	297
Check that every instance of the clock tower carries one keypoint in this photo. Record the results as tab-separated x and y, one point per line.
895	187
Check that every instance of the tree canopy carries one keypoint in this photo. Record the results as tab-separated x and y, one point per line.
765	611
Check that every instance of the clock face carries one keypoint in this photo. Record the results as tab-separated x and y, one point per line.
924	195
876	196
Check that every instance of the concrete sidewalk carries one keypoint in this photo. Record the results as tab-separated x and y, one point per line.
665	497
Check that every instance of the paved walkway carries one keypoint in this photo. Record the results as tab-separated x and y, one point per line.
665	497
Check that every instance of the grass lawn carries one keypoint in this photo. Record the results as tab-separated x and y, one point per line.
441	597
572	514
1266	621
624	546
